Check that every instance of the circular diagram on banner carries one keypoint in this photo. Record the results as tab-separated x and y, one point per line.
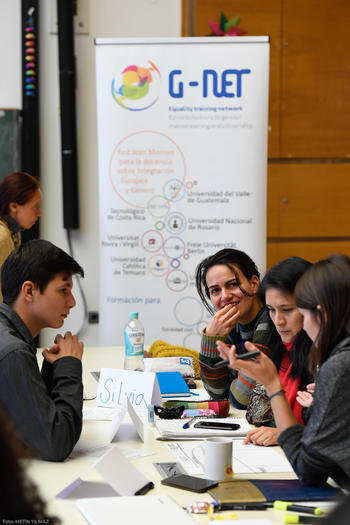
175	222
159	225
152	241
158	265
142	163
175	263
174	190
177	280
188	311
158	206
174	247
192	340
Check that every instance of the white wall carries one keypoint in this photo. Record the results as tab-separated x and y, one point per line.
10	46
107	18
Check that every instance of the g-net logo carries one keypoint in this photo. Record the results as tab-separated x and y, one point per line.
139	88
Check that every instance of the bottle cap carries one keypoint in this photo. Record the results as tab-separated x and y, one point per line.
134	315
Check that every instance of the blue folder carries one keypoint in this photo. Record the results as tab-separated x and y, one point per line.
172	384
292	490
275	489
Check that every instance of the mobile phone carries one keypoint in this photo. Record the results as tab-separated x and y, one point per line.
216	425
183	481
248	355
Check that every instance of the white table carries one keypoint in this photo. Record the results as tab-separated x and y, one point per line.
51	477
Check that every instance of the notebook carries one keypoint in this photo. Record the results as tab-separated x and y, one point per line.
173	429
159	509
172	384
269	490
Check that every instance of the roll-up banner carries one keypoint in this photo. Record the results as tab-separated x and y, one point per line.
182	141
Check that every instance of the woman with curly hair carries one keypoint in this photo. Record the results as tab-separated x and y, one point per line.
228	283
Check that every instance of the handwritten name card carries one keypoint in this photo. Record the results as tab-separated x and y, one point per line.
140	388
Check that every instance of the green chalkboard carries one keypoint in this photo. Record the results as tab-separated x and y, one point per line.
9	141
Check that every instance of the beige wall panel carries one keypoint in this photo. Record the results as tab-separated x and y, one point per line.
259	19
308	200
315	102
312	251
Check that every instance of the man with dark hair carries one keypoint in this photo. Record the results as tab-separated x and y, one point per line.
46	406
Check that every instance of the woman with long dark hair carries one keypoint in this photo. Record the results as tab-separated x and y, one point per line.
20	208
276	290
320	449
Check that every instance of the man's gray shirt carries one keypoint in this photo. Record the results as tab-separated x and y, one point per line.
46	406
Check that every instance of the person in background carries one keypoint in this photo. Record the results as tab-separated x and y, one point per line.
19	498
276	290
228	282
320	449
46	407
20	208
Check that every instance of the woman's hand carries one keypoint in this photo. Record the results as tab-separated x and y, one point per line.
311	387
262	369
264	436
223	321
305	397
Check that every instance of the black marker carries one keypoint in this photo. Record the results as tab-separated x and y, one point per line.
294	518
239	506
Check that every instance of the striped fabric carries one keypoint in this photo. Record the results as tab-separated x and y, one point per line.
225	383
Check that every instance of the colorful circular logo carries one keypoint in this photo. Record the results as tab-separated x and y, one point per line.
139	89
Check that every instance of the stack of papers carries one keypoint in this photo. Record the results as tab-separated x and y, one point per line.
173	429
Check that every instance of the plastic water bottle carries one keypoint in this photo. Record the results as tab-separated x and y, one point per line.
134	335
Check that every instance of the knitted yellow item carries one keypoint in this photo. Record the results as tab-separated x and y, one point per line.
162	349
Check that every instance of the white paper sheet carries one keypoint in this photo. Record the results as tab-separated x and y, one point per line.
246	459
157	510
117	427
88	449
99	413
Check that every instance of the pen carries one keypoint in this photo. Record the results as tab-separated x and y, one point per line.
200	416
295	518
286	505
187	424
